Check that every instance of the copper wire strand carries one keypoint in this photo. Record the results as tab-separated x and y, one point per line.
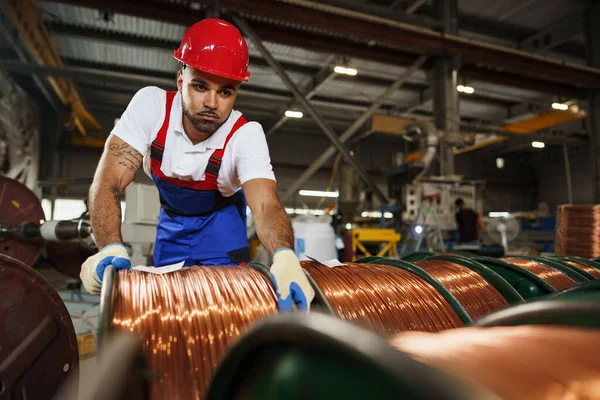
187	320
590	270
383	299
552	276
478	297
578	230
521	363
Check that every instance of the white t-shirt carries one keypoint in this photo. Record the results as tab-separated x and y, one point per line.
246	156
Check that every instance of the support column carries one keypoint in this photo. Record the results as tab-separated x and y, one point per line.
592	39
444	81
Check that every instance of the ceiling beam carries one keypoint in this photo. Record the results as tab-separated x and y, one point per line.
388	12
414	5
555	34
417	39
318	41
109	36
132	77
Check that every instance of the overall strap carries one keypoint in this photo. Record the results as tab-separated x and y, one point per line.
214	162
158	145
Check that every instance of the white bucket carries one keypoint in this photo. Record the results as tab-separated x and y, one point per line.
315	238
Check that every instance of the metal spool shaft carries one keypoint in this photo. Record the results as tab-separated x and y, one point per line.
19	205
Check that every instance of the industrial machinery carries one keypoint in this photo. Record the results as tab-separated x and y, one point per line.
24	230
25	234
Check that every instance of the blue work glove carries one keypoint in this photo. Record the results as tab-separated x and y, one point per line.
291	285
92	270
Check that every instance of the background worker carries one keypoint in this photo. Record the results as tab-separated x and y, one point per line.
207	162
468	223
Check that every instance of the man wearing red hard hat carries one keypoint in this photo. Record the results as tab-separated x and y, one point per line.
207	161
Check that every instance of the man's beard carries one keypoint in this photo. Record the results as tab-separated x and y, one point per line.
200	124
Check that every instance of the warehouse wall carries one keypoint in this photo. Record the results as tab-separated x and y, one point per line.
511	188
551	178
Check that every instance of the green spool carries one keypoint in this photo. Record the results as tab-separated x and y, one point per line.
320	357
369	259
577	309
526	283
462	253
591	288
580	260
566	269
510	294
416	256
421	273
319	303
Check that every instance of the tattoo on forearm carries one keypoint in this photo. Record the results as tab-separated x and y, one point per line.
128	157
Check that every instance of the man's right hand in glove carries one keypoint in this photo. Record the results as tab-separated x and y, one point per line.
92	270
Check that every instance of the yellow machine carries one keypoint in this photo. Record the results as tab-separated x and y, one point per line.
360	237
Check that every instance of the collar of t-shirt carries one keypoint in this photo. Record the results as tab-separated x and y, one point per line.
182	158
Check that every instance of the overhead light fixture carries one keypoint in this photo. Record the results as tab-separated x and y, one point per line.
376	214
538	145
345	70
465	89
499	163
418	229
348	226
560	106
318	193
499	214
294	114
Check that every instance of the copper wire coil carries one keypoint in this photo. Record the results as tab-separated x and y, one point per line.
578	230
553	277
590	270
514	363
383	299
188	319
473	292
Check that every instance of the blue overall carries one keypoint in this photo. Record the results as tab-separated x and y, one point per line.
197	224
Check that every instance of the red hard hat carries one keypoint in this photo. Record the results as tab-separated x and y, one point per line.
216	47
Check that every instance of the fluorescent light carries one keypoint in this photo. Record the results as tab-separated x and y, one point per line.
344	70
538	145
418	229
304	211
294	114
318	193
465	89
499	163
499	215
376	214
560	106
370	214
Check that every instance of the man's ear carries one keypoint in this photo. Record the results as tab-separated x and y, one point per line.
179	80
